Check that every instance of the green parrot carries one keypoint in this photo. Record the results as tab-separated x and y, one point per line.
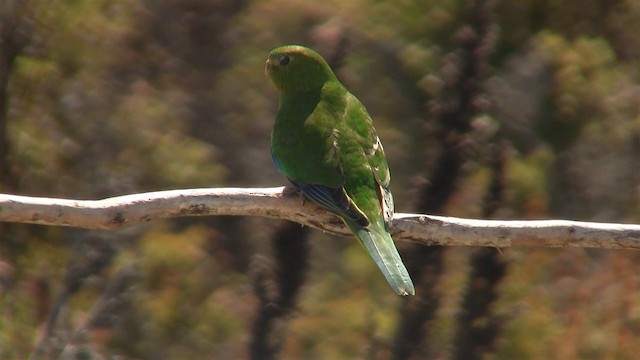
324	142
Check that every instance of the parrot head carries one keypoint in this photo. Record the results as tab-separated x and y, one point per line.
297	68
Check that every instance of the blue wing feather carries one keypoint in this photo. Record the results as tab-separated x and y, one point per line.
335	200
276	162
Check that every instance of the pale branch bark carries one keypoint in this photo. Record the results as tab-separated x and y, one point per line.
284	203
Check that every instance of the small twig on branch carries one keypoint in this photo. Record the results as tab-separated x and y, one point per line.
283	203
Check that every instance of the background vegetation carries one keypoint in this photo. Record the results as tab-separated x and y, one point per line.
508	109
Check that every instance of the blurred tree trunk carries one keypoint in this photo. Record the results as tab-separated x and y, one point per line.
15	34
453	117
277	286
478	329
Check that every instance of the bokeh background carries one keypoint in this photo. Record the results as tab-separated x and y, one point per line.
488	109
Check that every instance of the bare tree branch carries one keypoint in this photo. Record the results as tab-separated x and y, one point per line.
283	203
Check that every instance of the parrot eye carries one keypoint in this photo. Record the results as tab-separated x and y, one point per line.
284	60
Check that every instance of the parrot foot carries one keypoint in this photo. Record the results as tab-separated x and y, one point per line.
294	191
290	191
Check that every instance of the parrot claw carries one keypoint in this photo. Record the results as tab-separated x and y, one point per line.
293	191
290	191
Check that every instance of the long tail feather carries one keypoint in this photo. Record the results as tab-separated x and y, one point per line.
381	248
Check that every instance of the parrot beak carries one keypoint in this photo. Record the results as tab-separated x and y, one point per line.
267	67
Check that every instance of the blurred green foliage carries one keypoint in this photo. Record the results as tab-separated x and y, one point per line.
112	97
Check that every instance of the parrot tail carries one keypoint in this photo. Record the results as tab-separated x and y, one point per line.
381	248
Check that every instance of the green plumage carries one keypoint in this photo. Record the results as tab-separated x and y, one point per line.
323	140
